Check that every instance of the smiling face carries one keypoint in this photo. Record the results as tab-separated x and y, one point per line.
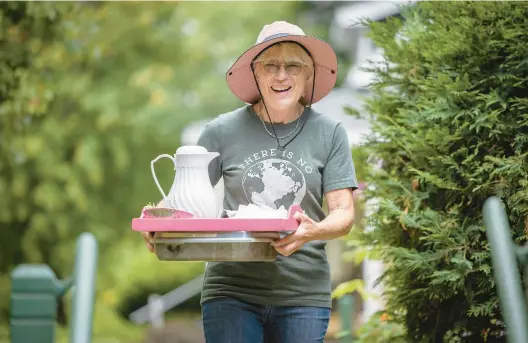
283	72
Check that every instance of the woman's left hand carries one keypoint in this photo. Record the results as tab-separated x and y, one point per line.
307	231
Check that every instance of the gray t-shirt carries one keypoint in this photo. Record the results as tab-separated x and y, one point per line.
318	160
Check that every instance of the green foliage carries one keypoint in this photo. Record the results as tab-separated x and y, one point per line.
450	128
349	287
380	328
90	93
360	156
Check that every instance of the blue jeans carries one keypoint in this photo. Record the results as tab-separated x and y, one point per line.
227	320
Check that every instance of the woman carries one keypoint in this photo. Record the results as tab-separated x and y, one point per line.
276	151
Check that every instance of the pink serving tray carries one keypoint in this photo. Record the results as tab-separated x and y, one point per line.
217	224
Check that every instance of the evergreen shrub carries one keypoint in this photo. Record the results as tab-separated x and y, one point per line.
449	110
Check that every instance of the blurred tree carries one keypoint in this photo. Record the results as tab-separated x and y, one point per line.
89	94
449	115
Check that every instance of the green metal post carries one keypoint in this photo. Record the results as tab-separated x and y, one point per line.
84	291
34	294
503	257
522	257
346	312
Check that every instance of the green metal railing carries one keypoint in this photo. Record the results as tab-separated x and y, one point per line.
505	258
35	291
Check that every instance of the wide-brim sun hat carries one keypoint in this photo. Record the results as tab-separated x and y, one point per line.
240	78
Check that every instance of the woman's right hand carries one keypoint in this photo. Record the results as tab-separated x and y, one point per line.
148	236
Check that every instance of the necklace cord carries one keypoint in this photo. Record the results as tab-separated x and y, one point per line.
298	120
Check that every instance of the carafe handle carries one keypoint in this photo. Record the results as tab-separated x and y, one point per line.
154	173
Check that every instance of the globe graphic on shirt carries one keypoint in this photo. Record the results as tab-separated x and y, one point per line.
274	183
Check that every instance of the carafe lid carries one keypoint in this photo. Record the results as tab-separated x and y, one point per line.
191	149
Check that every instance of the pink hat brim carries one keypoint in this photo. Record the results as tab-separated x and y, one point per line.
242	83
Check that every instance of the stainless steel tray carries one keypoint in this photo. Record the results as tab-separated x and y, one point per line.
215	246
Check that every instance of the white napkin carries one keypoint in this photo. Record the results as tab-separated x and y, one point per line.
254	211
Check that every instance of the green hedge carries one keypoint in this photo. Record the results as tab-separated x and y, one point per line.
450	119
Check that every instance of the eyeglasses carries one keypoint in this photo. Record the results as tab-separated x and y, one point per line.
291	68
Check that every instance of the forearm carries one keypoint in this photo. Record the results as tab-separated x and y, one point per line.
337	224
